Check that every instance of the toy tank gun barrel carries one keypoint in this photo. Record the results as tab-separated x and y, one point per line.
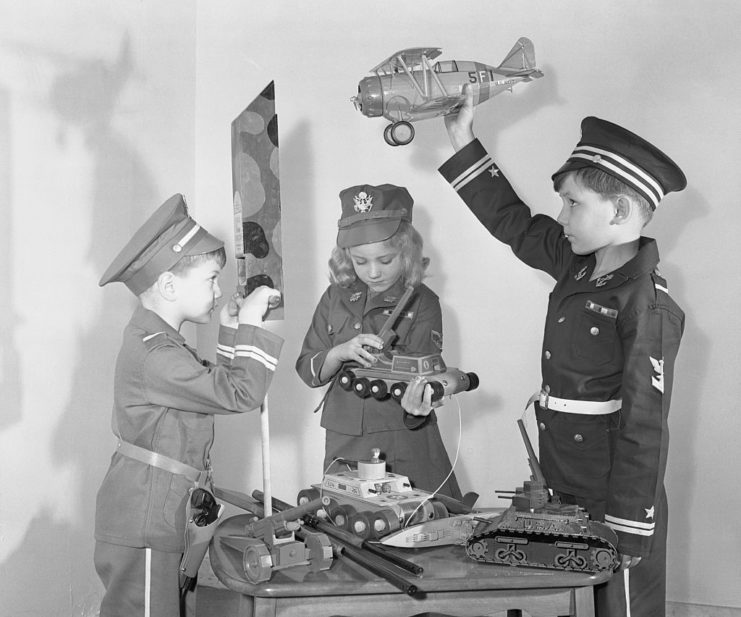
532	459
386	333
282	520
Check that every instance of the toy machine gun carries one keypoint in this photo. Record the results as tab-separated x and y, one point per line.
538	531
278	541
392	372
321	538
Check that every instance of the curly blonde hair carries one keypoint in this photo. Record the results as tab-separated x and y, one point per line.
409	242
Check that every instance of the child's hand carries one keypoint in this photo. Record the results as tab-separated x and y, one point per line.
460	123
253	308
628	561
230	311
417	399
355	350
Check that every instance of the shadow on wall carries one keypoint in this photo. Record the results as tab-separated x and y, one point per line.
85	100
10	377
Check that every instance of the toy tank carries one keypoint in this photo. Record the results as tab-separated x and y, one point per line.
374	504
540	532
393	371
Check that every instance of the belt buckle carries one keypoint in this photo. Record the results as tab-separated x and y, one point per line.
544	396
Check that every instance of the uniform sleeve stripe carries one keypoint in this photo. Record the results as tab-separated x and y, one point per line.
225	350
151	336
661	288
472	172
314	371
633	530
614	520
250	351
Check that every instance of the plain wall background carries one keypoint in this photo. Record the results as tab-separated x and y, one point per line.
106	109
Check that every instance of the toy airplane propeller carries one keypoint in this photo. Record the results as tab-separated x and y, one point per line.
407	87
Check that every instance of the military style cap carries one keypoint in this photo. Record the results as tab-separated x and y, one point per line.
167	236
372	213
627	157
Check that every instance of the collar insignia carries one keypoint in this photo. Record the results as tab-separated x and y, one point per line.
602	280
580	275
363	202
356	296
390	299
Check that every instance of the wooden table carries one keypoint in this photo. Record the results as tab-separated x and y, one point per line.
452	583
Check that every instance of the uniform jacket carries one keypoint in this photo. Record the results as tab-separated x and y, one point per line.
610	338
342	314
165	399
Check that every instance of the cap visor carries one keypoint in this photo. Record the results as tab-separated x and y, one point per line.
367	233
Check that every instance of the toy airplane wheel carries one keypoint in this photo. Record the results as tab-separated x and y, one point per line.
399	133
257	562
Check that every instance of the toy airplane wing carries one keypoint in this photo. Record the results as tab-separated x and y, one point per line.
406	58
443	104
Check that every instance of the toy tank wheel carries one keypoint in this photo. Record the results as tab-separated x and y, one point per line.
257	562
603	559
477	549
379	390
385	521
570	561
511	555
320	551
306	495
345	380
361	525
438	390
361	386
341	514
397	390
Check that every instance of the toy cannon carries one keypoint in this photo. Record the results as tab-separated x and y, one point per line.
271	544
538	531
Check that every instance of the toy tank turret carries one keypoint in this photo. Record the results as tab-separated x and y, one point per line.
538	531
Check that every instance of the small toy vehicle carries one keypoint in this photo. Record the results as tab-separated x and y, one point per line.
374	504
538	531
393	371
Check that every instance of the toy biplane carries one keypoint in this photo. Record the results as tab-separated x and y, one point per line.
407	87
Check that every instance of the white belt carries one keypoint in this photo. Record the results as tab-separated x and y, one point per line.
587	408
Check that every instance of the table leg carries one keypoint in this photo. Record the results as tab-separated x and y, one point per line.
583	602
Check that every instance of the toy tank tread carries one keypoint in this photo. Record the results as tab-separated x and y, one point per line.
538	549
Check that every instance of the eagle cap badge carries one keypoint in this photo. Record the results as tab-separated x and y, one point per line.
363	202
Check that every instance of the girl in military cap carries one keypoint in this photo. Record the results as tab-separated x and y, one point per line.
377	257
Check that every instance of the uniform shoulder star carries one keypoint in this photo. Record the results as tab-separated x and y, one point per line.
649	512
494	171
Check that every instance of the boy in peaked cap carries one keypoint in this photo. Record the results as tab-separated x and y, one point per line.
165	399
611	337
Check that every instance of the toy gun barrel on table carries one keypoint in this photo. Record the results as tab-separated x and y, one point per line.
372	558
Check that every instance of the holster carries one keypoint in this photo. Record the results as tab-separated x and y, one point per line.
200	527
